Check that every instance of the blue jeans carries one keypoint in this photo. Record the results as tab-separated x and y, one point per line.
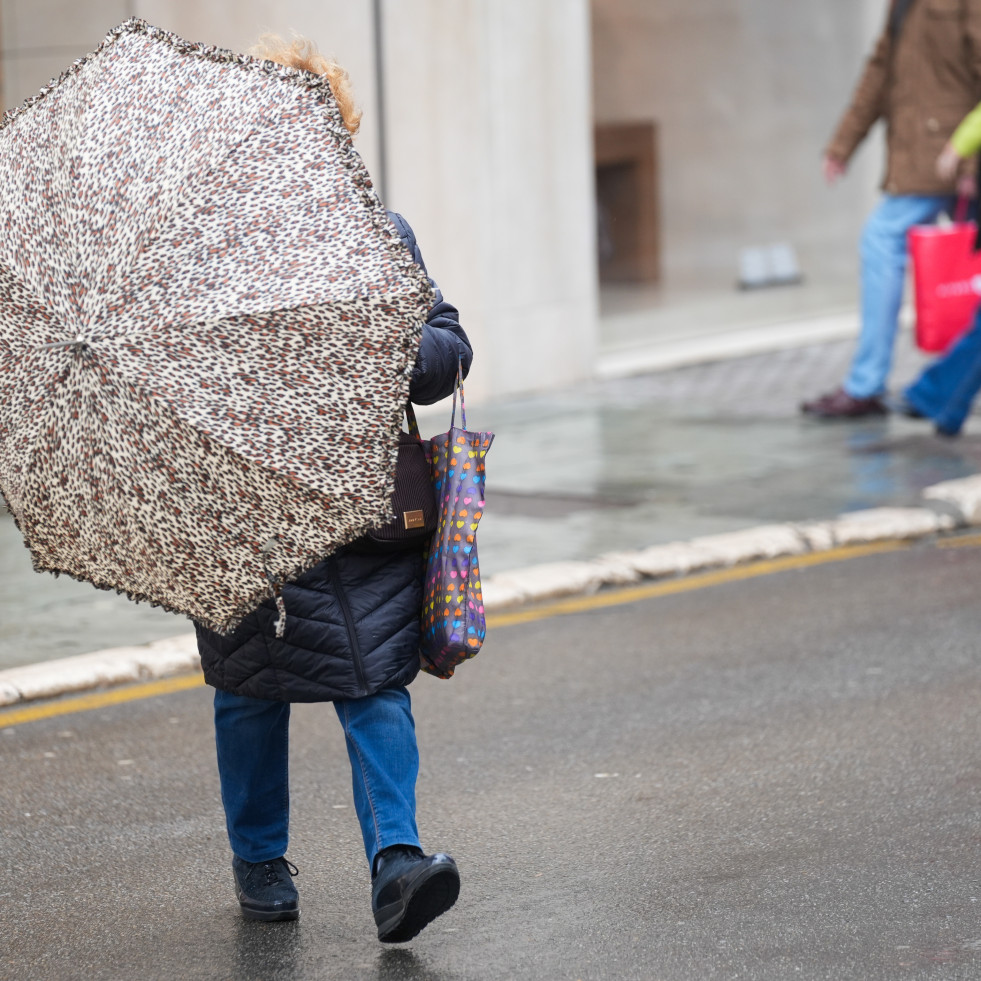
252	737
884	257
945	390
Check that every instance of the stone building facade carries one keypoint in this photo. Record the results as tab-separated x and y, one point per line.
479	127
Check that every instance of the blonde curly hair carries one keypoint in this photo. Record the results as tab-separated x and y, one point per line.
302	53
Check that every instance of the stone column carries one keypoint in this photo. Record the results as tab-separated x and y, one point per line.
490	156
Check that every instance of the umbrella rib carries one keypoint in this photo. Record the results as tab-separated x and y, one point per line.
298	79
162	217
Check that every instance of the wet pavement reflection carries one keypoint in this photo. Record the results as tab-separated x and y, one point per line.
611	465
573	481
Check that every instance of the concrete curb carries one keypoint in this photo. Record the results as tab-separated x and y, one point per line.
946	507
100	669
707	341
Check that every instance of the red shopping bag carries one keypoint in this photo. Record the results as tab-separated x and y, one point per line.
946	281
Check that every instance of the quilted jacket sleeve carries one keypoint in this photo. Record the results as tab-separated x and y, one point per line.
444	342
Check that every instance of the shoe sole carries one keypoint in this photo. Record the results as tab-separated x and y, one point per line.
844	417
816	412
432	895
269	915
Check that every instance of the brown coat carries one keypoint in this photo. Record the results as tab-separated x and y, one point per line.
922	83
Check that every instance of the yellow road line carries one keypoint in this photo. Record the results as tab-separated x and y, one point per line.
669	587
577	604
85	703
961	541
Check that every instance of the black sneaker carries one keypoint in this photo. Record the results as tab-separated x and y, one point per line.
265	889
409	890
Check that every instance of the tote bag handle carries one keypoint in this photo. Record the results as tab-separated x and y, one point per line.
410	413
458	386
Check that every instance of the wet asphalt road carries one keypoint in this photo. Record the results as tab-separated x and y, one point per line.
774	778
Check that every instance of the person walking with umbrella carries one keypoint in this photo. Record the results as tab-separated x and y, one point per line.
209	328
351	638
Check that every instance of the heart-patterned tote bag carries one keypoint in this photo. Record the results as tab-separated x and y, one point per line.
453	625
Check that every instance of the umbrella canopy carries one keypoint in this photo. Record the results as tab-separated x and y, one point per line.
207	325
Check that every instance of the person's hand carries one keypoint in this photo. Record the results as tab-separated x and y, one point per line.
832	168
967	186
948	162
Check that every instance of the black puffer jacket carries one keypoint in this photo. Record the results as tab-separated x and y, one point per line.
352	625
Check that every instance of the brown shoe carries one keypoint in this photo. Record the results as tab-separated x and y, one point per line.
840	405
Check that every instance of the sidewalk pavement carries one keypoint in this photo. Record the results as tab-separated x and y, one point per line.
618	481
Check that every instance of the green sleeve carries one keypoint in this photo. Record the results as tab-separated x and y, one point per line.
967	137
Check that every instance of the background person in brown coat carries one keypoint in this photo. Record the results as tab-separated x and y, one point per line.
922	79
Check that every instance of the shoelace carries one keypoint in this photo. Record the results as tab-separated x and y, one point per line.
273	873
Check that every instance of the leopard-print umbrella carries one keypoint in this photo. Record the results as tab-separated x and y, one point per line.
207	325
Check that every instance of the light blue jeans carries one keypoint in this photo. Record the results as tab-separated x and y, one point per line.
252	737
883	261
